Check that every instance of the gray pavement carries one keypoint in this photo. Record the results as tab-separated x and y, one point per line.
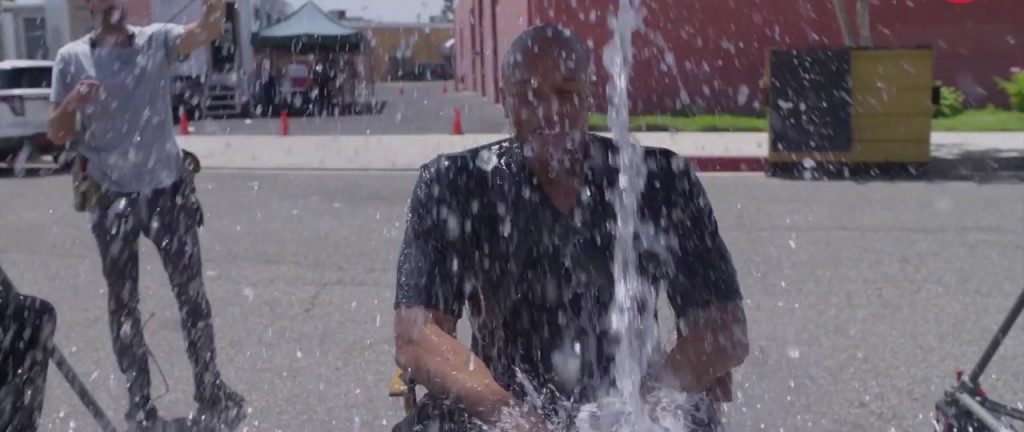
862	298
424	108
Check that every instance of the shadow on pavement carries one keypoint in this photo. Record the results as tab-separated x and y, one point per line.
986	166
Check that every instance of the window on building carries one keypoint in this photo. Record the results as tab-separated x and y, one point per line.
25	78
34	30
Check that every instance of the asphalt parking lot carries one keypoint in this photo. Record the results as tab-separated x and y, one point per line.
862	298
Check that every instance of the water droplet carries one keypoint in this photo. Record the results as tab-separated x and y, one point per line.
793	352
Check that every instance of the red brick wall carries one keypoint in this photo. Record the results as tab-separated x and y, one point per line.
973	42
483	30
718	47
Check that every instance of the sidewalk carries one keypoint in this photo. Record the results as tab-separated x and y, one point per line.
726	151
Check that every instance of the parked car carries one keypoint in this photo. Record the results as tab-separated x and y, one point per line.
25	110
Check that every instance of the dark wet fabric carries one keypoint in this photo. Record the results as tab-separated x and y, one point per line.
170	218
27	325
435	413
538	283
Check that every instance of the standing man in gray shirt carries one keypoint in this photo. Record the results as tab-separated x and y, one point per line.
111	92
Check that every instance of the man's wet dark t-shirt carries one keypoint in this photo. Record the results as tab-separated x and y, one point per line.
538	282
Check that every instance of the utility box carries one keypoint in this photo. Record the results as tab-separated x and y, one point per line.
837	106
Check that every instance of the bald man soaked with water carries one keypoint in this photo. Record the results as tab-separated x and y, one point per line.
522	231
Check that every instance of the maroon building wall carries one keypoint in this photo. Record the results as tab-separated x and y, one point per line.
711	54
483	30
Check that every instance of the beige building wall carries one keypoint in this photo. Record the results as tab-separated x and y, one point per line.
423	43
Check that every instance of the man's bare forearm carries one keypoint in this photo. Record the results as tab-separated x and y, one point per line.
212	19
442	364
205	30
62	124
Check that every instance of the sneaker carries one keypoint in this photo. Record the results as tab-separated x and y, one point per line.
154	425
224	414
144	420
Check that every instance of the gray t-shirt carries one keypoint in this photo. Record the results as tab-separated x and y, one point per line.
127	131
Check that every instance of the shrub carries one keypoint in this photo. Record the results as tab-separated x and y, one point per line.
951	102
1014	88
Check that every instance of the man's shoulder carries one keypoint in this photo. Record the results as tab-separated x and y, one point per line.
76	48
149	31
659	160
152	32
672	177
666	161
470	162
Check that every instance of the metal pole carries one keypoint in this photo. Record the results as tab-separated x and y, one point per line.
982	414
57	357
997	340
80	390
864	22
844	24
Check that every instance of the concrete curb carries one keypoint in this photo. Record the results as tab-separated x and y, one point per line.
728	164
734	152
708	152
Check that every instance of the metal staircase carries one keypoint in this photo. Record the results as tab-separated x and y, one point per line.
223	100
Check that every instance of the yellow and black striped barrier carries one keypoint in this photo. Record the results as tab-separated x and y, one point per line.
836	106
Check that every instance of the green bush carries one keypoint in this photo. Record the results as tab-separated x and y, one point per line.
951	102
1014	88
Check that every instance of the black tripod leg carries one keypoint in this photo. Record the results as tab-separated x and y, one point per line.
8	293
81	391
997	340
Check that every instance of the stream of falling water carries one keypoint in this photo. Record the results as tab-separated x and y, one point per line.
636	332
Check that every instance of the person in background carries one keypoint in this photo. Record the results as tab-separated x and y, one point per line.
349	82
110	94
267	88
325	74
521	234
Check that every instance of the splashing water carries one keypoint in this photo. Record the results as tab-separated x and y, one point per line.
633	324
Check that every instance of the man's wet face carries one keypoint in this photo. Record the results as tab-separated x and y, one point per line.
547	98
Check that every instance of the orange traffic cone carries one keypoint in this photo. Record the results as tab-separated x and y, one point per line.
183	121
284	121
457	123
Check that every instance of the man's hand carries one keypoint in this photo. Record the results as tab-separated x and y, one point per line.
63	115
81	95
426	348
204	31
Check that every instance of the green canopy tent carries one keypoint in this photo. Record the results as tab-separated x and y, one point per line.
309	30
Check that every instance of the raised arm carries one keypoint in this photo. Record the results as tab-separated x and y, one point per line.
66	99
205	30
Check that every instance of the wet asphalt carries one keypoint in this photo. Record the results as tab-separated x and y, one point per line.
862	297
